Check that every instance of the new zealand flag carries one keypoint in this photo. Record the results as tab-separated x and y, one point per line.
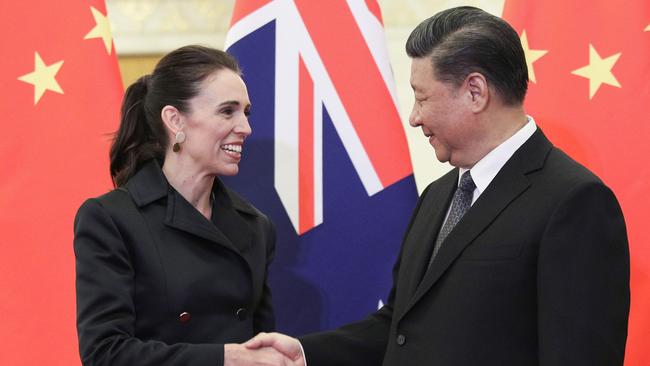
328	159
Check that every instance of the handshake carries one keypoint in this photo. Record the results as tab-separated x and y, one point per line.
265	349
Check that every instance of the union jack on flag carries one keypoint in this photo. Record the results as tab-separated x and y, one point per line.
328	159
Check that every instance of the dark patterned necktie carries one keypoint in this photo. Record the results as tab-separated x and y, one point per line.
460	204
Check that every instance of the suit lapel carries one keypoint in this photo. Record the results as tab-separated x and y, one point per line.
183	216
425	228
227	229
149	184
482	213
228	220
507	185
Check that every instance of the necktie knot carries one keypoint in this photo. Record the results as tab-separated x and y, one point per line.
466	182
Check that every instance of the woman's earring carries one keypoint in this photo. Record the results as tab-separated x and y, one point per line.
179	139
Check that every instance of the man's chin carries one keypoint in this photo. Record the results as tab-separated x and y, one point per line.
441	155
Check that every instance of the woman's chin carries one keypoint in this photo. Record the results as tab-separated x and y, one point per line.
228	170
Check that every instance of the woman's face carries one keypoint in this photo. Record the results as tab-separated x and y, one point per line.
216	124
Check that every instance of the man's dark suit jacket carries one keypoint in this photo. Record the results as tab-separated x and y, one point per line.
159	284
536	273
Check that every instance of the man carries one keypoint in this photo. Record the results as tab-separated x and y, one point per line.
518	256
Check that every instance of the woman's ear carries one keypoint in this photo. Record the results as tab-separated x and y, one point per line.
172	119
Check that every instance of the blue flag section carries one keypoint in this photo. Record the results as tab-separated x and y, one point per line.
340	208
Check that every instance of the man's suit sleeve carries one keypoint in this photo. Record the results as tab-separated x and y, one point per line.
361	343
583	281
105	301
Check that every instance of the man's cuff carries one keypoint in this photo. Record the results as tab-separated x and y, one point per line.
304	357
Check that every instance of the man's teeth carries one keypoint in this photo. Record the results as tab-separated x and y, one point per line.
233	148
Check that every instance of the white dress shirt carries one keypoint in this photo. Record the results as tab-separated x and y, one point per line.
487	168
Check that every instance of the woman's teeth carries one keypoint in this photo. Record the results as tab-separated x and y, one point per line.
233	148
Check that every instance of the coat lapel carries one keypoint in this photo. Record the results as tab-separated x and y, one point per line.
227	218
149	184
183	216
508	184
425	228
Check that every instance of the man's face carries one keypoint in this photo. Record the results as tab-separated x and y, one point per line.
442	111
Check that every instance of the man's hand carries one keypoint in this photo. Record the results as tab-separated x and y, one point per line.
238	355
289	347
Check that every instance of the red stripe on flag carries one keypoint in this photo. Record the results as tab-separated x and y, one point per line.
306	150
360	86
244	7
374	9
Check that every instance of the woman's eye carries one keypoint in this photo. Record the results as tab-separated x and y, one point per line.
227	111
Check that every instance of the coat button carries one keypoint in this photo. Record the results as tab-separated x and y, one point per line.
241	313
184	317
401	339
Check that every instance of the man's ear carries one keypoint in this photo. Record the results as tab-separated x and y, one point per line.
172	119
478	91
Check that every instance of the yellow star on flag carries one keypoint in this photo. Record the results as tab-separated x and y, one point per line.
647	29
101	30
531	56
43	77
599	71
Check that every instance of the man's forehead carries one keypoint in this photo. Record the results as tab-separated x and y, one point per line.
421	72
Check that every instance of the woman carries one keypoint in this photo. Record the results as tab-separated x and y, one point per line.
172	265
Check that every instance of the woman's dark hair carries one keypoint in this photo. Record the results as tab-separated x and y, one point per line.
465	39
175	80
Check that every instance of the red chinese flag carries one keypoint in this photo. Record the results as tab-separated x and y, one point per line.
588	64
60	99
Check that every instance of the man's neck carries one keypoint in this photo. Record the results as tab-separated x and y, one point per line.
499	125
506	122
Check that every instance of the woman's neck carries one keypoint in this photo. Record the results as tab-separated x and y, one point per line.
194	186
